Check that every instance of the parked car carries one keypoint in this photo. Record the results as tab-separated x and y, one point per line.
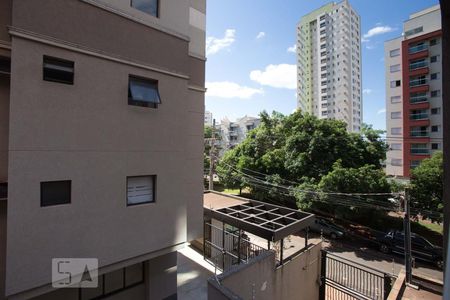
327	228
421	248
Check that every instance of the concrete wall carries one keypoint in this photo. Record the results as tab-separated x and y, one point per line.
4	126
5	19
89	134
296	279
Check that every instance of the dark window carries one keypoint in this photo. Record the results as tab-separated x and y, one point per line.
115	282
434	76
58	70
55	192
435	128
150	7
5	65
436	93
435	146
436	111
143	92
434	59
141	189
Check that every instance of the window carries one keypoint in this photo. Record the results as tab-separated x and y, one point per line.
396	146
436	111
58	70
395	52
418	97
435	146
395	68
417	47
396	115
434	58
141	189
434	76
436	93
114	282
434	42
419	149
55	192
414	164
150	7
417	64
395	83
143	92
396	130
413	31
417	80
396	99
435	128
397	162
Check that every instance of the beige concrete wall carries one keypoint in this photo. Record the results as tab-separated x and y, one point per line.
89	134
297	279
95	28
5	19
4	126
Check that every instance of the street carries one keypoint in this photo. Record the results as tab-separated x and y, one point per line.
388	263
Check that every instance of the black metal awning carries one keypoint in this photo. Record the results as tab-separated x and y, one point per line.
271	222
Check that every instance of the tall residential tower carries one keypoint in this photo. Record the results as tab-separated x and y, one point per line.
329	64
413	92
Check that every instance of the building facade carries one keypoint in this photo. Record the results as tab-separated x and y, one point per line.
233	133
329	64
101	143
208	118
413	92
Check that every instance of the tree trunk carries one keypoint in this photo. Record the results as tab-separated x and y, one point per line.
445	10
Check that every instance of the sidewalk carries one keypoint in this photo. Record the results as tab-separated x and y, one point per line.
193	272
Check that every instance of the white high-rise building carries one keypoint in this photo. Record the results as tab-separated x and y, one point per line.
208	118
329	64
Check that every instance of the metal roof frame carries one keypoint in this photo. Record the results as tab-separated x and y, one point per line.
269	221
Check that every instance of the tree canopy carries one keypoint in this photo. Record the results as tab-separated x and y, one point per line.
299	150
427	185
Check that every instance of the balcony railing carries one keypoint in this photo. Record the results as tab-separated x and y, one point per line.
418	65
417	48
418	116
420	151
418	99
419	133
417	82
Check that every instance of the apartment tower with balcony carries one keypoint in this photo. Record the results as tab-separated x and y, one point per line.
413	92
329	64
101	143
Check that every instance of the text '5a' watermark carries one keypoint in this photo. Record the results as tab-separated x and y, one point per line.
75	272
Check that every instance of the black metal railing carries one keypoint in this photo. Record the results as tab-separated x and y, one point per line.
341	276
3	190
225	248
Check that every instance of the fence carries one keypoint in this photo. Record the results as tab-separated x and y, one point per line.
344	279
225	248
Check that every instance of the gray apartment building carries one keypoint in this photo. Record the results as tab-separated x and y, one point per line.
101	143
233	133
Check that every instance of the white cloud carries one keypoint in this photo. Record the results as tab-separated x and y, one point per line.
214	45
381	111
367	91
278	76
227	89
292	49
260	35
377	30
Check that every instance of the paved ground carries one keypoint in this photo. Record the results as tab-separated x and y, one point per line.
193	272
389	263
412	294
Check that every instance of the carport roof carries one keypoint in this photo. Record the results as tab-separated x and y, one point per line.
265	220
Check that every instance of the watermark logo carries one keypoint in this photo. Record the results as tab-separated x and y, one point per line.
74	272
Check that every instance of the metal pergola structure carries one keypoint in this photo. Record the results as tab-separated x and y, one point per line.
271	222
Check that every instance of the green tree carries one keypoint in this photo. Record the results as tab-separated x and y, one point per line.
427	185
296	149
365	179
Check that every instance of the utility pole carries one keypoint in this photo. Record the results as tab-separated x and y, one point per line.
407	234
211	156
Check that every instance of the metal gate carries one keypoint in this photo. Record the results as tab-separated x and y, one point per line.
348	280
224	248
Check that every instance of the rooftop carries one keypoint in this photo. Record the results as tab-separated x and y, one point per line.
268	221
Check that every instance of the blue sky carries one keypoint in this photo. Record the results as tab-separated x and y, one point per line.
249	67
